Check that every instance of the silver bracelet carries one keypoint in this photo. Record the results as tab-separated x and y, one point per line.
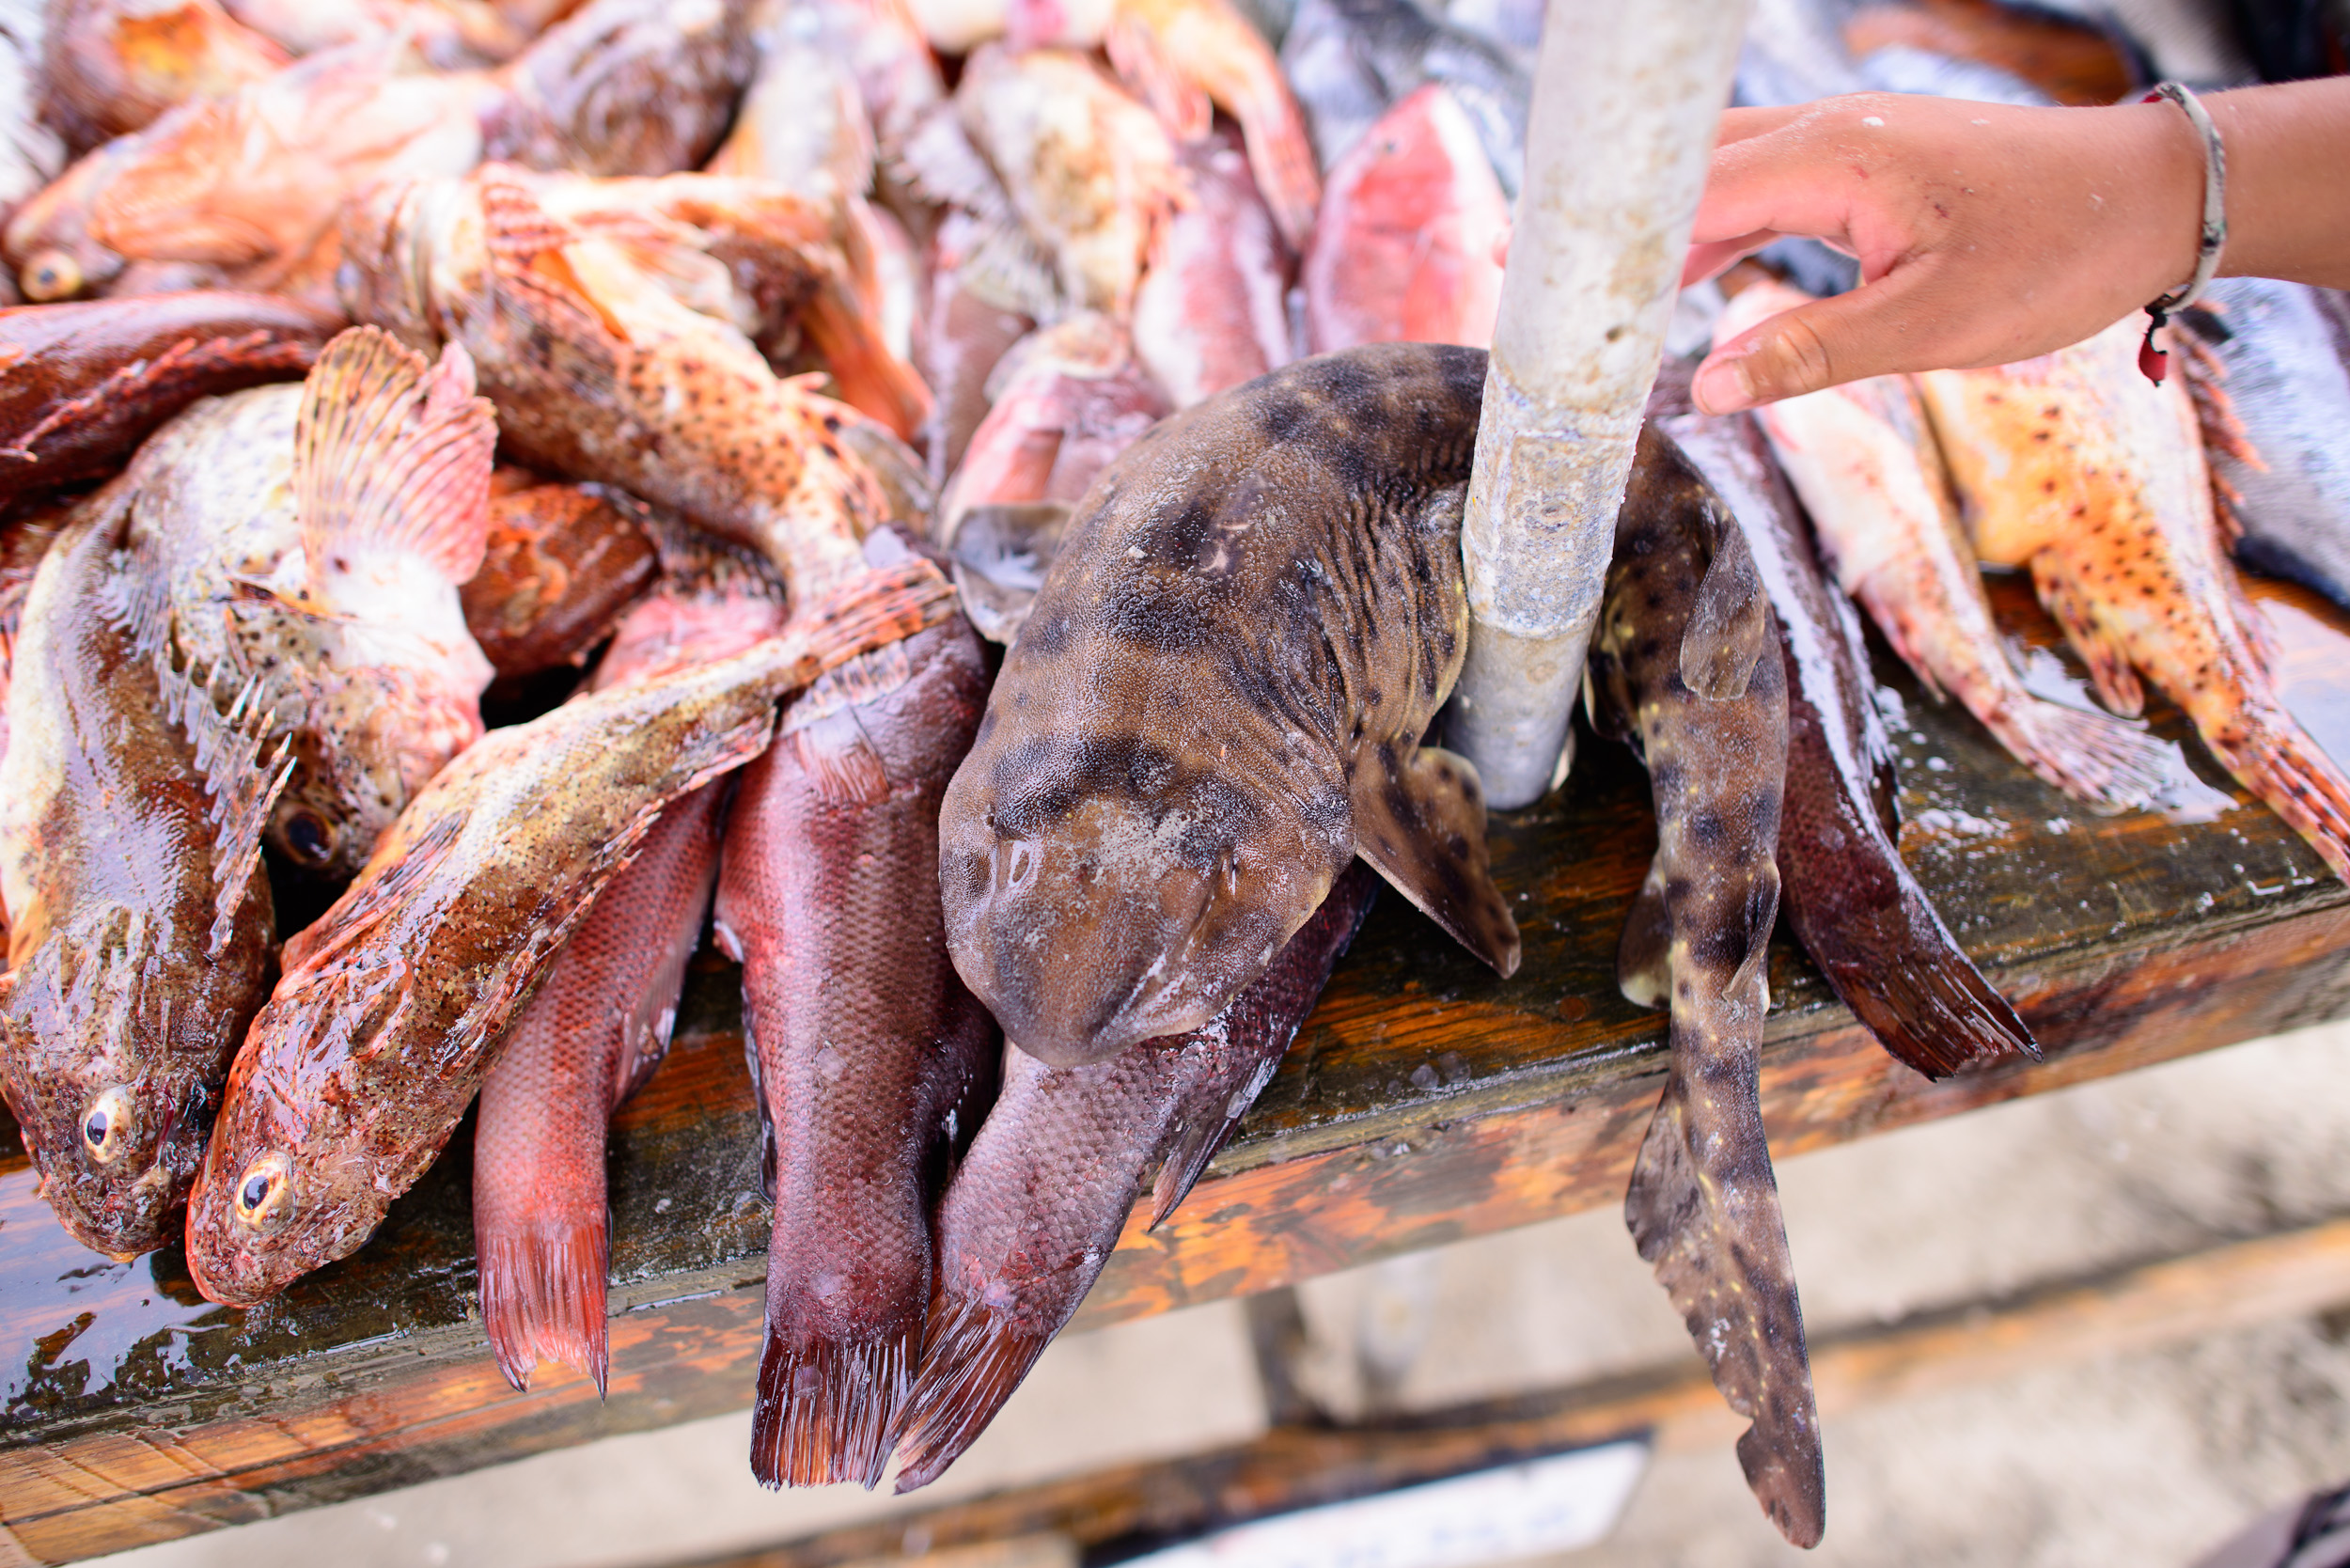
2150	360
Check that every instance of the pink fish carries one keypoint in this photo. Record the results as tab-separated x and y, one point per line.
1213	310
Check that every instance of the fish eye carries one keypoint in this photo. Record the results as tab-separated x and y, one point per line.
108	1124
264	1192
50	274
309	838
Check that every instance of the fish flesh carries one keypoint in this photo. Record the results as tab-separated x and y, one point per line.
1036	1208
2269	365
622	88
603	372
312	538
559	564
392	1006
1213	310
81	384
1217	702
113	66
2078	467
1348	61
1871	473
871	1059
1686	665
1852	902
139	940
1412	236
602	1021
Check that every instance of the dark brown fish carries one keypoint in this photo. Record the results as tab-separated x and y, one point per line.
1217	702
1859	913
623	87
870	1056
1686	665
1037	1206
563	562
600	1023
130	821
81	384
394	1003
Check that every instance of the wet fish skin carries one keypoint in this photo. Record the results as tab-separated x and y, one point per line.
623	87
1036	1208
2076	466
1686	662
1865	460
394	1003
1350	60
2269	365
1217	702
1413	230
1213	310
968	333
112	67
81	385
1851	899
31	153
560	565
140	920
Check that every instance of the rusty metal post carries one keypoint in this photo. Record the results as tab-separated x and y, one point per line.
1626	99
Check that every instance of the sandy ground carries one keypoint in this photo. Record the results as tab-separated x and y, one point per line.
2145	1459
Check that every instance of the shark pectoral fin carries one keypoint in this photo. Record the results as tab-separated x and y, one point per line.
1420	820
1001	554
1644	962
1730	626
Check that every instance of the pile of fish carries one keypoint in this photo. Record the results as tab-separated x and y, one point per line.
713	381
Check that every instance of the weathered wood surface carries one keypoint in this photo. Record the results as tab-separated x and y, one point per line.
1424	1101
1133	1507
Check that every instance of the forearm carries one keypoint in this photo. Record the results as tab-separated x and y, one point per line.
2288	181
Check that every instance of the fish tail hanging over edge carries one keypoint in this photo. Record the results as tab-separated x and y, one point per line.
543	1297
1908	981
973	1358
2270	754
829	1410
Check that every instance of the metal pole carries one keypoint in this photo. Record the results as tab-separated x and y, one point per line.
1626	99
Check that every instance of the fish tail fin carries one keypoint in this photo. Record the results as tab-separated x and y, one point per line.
544	1296
829	1405
1703	1210
2111	762
392	452
1204	1135
1910	984
974	1356
2272	756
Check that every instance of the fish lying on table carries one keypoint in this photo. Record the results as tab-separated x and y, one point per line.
312	538
559	564
393	1005
2269	365
139	940
1413	231
600	1023
113	66
1217	702
1685	665
1852	902
1035	1209
1213	310
1866	463
87	383
2078	467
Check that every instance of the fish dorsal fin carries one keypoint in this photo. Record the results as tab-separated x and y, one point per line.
1644	956
1002	553
1730	626
1420	821
392	453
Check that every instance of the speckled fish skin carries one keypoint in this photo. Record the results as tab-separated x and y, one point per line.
1686	664
1871	476
81	384
2269	365
623	87
872	1060
140	920
1213	310
112	67
356	502
1037	1206
602	1021
1217	702
560	564
2076	466
586	355
394	1003
1859	913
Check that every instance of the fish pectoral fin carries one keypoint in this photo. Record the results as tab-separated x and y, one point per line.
242	780
1420	820
1002	553
1644	959
392	453
1730	626
2109	673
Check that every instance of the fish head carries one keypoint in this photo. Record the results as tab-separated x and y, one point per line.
397	724
1102	890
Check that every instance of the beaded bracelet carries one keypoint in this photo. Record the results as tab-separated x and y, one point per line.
2150	360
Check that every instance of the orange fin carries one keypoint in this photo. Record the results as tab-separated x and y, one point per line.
392	453
2274	758
543	1298
2109	672
1147	71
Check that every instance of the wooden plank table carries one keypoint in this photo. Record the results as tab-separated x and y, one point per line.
1425	1102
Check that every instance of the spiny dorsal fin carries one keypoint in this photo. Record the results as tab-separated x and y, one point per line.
392	453
1730	626
1420	820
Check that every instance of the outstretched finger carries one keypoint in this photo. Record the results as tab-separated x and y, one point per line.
1879	329
1714	259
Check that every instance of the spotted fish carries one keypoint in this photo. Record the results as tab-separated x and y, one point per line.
1685	665
1217	702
